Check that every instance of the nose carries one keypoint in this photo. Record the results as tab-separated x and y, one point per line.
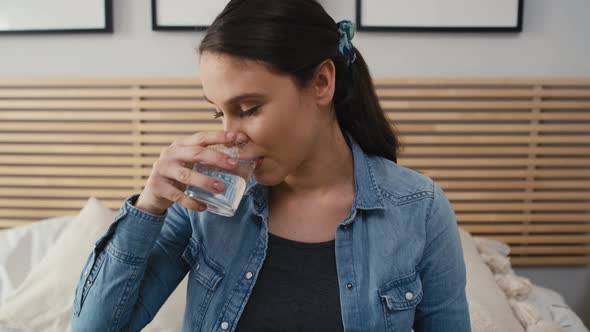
233	125
230	124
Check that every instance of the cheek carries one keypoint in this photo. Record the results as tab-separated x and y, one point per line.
290	147
285	131
274	127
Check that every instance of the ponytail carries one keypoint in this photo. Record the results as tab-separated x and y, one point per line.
359	112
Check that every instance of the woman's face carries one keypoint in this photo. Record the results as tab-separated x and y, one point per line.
282	123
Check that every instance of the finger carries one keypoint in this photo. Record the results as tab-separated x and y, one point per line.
190	177
173	194
241	138
189	155
205	138
178	185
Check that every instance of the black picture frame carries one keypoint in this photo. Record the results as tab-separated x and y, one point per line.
363	27
107	28
157	26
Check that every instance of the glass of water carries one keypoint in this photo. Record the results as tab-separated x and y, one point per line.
225	203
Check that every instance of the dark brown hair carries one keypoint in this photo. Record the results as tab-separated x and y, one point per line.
294	37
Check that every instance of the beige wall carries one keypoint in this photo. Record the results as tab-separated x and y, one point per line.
553	43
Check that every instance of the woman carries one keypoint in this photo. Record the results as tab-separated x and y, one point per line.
331	235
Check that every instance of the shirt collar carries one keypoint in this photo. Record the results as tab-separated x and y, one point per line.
367	195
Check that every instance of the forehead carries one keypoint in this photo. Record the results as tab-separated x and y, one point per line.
224	76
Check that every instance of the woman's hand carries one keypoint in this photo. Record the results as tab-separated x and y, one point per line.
172	172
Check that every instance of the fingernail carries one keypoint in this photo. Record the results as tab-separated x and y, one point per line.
218	186
242	138
231	135
232	161
202	207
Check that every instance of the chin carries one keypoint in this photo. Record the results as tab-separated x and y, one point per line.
270	173
268	179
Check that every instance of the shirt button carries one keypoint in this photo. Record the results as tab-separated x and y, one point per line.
89	282
224	325
349	285
249	275
409	296
344	227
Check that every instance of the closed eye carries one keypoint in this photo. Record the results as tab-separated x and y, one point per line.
248	112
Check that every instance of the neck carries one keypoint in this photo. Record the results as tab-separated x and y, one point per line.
329	168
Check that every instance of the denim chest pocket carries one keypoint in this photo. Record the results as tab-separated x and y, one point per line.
399	298
204	278
203	269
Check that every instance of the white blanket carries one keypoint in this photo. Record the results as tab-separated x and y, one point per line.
23	247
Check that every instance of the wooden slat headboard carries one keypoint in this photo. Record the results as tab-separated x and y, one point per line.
513	155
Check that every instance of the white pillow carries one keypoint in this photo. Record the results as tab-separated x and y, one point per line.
488	306
22	247
495	245
44	300
552	307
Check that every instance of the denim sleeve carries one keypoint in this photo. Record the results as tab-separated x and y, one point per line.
442	270
132	270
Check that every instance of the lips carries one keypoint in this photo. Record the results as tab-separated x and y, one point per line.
259	162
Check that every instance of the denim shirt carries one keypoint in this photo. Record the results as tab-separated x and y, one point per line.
398	258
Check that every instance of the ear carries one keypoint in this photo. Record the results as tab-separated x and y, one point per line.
324	83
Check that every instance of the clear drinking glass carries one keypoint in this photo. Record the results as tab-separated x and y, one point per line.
225	203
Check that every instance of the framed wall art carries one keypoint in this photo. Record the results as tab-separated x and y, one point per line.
185	14
437	15
56	16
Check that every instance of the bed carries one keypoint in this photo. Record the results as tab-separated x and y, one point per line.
511	154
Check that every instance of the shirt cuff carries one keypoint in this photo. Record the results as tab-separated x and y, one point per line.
134	231
144	215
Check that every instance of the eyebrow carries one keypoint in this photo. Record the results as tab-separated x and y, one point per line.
238	98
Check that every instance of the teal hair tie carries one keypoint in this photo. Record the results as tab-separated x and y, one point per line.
346	29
